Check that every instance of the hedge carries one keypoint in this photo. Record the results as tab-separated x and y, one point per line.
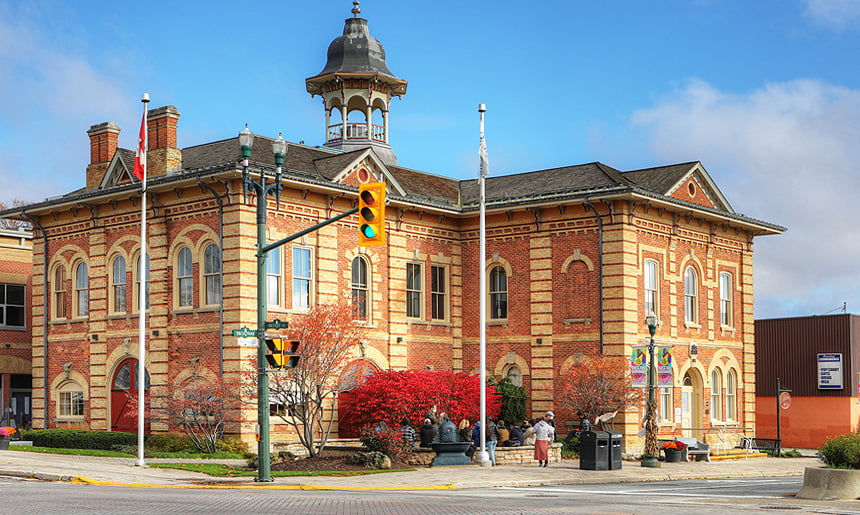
79	439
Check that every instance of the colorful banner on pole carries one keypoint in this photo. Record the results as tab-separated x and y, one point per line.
639	366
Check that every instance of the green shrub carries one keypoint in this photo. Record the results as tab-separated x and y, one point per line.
168	442
842	451
80	439
570	447
126	449
233	445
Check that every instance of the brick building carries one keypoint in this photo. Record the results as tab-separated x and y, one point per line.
576	257
16	288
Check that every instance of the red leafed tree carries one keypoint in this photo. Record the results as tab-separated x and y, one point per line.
327	337
200	408
392	395
598	385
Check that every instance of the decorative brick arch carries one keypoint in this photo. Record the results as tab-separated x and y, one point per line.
577	256
496	260
511	358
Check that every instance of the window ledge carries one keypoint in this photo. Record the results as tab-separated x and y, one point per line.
71	419
497	322
692	325
727	329
416	321
441	323
569	321
12	328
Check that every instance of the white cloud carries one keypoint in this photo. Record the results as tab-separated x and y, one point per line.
51	96
835	13
785	153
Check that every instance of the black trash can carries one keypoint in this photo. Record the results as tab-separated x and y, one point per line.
614	451
594	450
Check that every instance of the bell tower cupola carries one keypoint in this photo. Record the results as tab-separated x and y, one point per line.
357	88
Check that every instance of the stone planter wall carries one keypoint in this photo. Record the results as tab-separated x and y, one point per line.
423	456
823	484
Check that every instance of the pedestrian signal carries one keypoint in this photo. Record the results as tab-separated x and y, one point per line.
282	353
371	214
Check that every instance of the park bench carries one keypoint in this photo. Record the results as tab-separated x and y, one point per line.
696	448
771	445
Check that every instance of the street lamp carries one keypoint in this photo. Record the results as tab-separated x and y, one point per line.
651	448
262	190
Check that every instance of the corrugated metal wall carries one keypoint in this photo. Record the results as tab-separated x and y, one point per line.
788	348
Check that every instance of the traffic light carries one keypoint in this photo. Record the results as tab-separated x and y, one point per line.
371	214
283	353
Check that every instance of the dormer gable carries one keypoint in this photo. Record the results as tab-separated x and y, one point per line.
358	167
119	170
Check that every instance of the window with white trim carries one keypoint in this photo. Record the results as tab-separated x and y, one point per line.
691	295
71	400
650	280
301	278
59	297
185	278
716	394
666	409
413	290
82	290
726	288
212	274
273	277
360	287
118	290
498	291
438	292
12	301
731	395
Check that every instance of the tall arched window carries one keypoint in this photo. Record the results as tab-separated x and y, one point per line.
732	395
184	278
82	290
691	288
650	276
716	394
117	280
726	288
59	297
212	274
498	289
359	285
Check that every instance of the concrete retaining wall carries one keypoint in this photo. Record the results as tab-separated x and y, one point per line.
823	484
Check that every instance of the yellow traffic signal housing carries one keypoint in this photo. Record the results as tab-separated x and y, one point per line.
371	214
283	353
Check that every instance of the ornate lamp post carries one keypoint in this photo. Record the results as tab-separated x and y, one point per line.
652	450
262	190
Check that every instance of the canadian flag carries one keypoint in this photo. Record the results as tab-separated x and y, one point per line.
140	157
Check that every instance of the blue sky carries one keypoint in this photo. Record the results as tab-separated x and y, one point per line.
766	93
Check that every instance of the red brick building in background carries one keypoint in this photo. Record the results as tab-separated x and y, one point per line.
577	256
16	289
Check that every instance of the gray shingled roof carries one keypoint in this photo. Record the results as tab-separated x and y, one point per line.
356	51
660	179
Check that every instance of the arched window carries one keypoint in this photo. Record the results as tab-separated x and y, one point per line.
82	290
117	280
650	280
59	293
726	288
498	290
212	274
184	278
137	283
731	395
515	375
71	401
691	288
359	285
716	394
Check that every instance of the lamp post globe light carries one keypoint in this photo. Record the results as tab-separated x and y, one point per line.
652	450
262	191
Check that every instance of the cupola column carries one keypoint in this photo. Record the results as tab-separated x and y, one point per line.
343	126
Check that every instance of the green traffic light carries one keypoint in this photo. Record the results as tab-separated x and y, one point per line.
368	231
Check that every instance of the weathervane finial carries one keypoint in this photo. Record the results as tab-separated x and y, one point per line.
356	10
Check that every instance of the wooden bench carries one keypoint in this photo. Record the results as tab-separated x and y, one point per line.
696	448
771	445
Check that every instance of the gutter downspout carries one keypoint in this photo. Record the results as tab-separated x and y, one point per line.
588	204
47	309
220	273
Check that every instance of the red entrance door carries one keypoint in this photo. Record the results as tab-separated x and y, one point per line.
124	395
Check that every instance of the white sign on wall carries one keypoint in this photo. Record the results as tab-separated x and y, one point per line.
829	371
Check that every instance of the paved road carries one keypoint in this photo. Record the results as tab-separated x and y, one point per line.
769	495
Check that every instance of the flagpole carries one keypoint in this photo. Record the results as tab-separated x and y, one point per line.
143	270
483	457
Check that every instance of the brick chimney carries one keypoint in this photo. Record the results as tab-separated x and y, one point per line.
163	155
103	145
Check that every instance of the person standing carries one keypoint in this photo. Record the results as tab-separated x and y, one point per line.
544	435
492	436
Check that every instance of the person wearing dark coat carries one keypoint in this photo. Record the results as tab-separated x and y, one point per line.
427	432
517	437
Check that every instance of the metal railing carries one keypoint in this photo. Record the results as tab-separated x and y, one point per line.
356	130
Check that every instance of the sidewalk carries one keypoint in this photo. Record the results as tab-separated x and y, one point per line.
52	467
